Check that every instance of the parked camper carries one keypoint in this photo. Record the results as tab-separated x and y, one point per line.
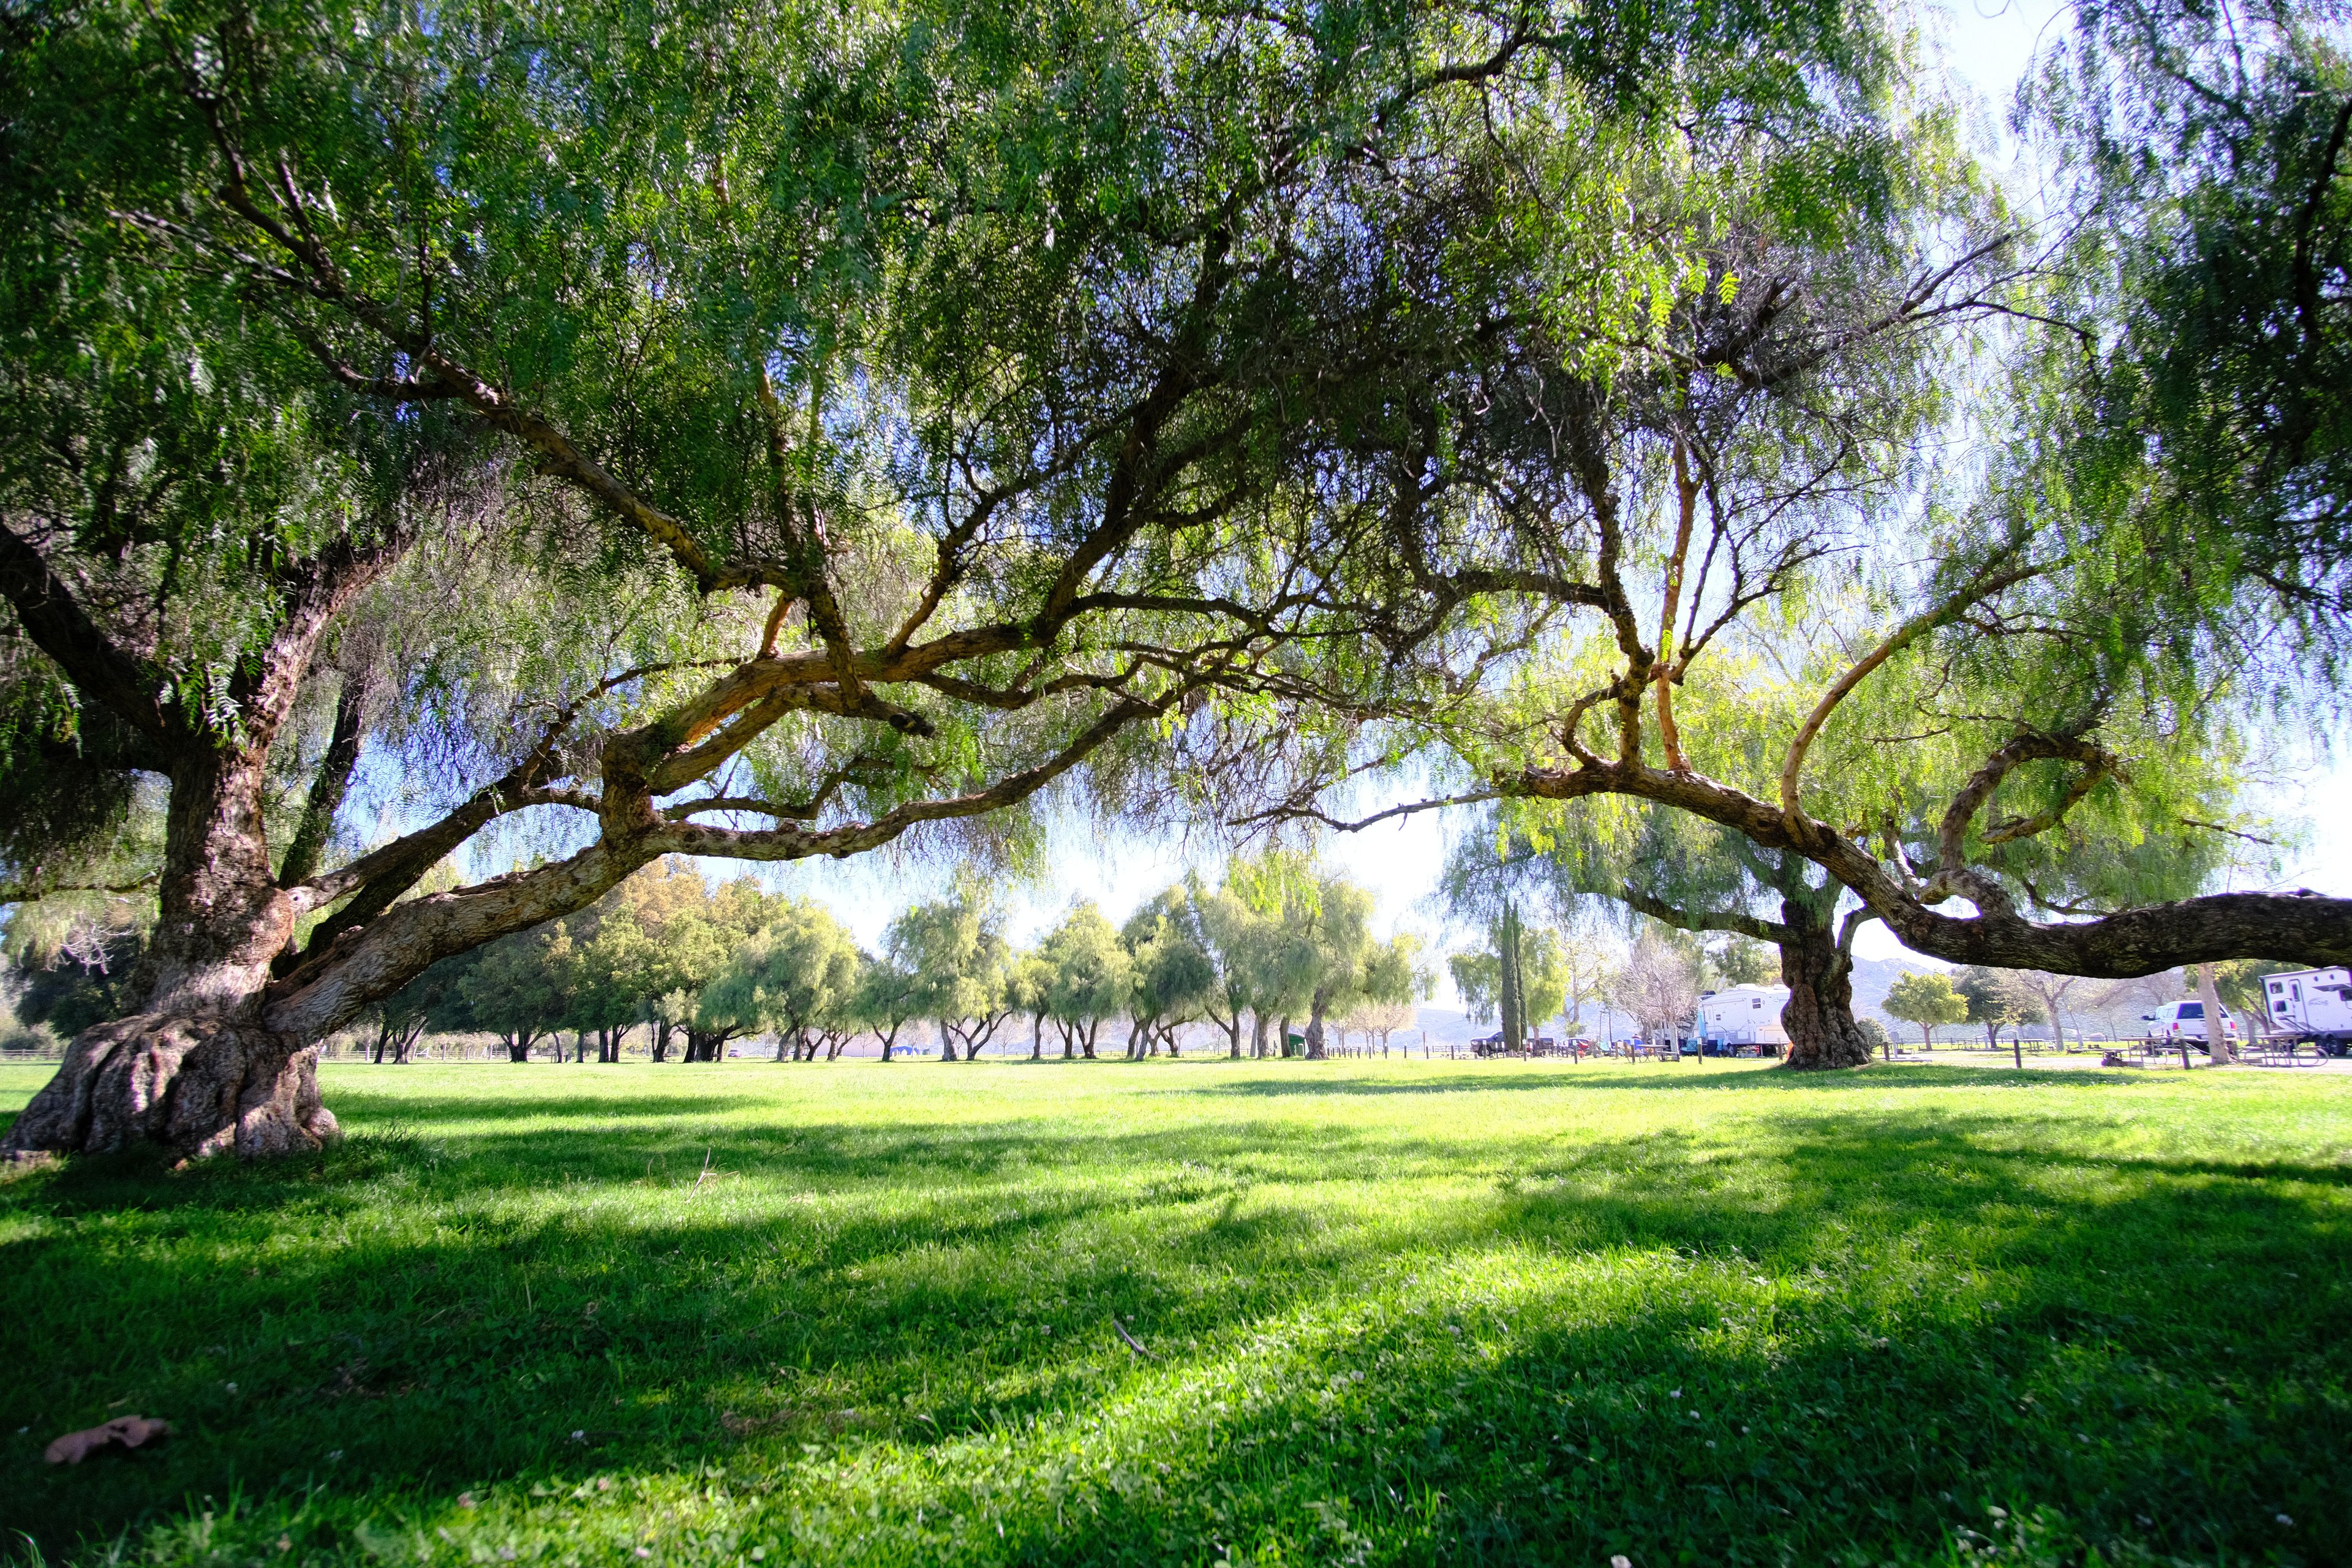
1742	1016
2310	1007
2178	1021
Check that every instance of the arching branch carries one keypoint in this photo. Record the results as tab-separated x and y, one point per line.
1990	581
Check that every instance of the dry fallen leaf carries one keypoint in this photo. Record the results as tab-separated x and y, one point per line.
349	1379
123	1431
750	1425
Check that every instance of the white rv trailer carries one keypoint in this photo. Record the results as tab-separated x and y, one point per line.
2309	1005
1744	1015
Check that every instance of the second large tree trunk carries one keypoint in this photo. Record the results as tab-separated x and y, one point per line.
1819	1016
2217	1036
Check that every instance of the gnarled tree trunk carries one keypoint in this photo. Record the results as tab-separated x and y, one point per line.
198	1085
195	1069
1819	1015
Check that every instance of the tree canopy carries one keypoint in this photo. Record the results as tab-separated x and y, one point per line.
772	432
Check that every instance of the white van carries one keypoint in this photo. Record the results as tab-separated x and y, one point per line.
2184	1021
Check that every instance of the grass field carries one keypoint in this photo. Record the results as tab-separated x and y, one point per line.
1387	1313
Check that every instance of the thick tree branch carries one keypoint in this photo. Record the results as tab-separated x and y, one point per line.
328	788
2299	927
131	687
1952	837
365	963
38	886
1659	909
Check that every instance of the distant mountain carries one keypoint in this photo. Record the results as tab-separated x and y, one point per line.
1448	1026
1875	977
1451	1025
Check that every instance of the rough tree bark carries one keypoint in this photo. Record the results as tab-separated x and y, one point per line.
198	1068
2217	1037
1818	969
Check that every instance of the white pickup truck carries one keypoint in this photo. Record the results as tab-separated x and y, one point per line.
2310	1006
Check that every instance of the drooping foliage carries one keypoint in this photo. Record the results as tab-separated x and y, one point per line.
2201	149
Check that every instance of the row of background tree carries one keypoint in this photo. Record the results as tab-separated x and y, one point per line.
1280	941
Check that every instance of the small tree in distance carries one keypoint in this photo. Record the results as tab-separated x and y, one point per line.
2050	993
1090	977
1927	1001
1658	985
1478	981
1395	978
885	1002
1173	975
510	988
1227	929
1998	1000
798	976
1736	960
959	965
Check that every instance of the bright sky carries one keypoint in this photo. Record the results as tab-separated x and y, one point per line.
1987	46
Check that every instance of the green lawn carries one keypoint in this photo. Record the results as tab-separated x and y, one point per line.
1395	1312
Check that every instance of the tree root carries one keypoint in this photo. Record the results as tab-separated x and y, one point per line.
197	1086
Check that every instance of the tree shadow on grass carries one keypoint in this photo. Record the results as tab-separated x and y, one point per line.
1861	1315
432	1110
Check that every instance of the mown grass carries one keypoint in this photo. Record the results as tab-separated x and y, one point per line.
1394	1312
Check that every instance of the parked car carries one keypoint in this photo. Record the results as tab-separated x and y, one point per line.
2184	1021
